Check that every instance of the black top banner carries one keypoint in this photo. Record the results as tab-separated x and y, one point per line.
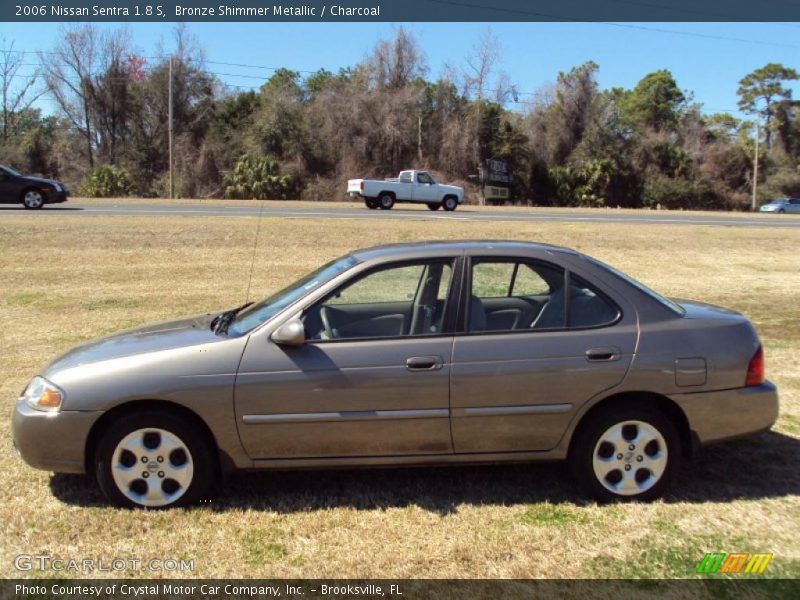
401	10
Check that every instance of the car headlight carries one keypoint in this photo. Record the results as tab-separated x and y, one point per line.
43	395
59	187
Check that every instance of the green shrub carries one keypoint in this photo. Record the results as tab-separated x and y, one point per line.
257	178
676	192
108	181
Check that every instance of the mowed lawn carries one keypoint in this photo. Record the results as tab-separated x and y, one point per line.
66	280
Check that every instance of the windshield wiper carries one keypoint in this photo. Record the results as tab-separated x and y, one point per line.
222	321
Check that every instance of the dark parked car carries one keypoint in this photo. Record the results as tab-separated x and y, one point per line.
31	192
410	354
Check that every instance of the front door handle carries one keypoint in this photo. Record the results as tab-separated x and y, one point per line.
607	354
424	363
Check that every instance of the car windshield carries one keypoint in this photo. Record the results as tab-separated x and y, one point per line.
9	170
258	313
673	306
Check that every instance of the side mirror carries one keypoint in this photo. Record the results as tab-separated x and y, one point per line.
291	333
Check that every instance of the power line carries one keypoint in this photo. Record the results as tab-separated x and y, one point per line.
557	18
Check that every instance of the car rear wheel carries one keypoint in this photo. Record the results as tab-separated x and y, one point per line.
434	206
154	460
371	203
626	454
386	201
450	203
32	199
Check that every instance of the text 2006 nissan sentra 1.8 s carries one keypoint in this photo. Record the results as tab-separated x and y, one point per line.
413	354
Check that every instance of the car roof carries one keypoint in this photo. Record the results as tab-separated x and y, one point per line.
436	248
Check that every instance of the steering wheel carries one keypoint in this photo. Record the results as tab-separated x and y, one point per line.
326	323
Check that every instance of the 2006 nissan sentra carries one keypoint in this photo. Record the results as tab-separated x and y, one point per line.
414	354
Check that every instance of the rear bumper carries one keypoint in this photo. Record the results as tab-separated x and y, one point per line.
52	441
727	414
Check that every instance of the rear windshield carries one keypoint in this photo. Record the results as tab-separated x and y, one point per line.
666	302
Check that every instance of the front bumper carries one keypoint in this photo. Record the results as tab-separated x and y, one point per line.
54	197
52	441
727	414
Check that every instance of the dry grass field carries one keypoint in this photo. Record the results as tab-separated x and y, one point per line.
68	280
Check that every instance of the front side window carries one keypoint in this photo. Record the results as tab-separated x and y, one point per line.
395	301
258	313
424	178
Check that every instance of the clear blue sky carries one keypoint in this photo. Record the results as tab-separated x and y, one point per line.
532	53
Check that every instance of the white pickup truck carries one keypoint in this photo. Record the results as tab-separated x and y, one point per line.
410	186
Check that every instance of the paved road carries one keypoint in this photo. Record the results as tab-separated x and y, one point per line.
122	208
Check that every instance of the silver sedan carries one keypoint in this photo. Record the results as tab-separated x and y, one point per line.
413	354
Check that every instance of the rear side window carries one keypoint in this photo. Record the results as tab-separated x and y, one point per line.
524	296
587	307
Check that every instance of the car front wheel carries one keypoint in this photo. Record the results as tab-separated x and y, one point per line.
450	203
154	460
626	454
32	199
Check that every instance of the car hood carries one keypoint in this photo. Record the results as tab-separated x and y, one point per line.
39	180
453	188
168	335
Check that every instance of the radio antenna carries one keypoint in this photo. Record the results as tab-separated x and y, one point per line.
255	247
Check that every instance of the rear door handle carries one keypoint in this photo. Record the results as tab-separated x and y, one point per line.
424	363
607	354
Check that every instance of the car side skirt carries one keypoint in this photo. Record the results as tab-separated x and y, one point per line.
407	461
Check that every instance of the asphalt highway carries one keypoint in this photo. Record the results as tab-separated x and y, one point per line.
321	211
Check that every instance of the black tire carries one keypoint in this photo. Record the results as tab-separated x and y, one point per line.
205	464
781	212
450	203
434	206
582	455
386	201
371	203
32	199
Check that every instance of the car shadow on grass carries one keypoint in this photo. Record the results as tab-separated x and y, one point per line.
760	467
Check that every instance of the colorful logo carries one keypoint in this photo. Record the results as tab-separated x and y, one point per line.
733	562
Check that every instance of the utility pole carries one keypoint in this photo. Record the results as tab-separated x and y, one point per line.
755	169
169	127
419	137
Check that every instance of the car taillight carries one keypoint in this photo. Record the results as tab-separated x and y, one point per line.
755	370
362	185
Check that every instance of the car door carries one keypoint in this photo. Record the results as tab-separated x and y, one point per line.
371	380
793	206
424	188
9	191
518	377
